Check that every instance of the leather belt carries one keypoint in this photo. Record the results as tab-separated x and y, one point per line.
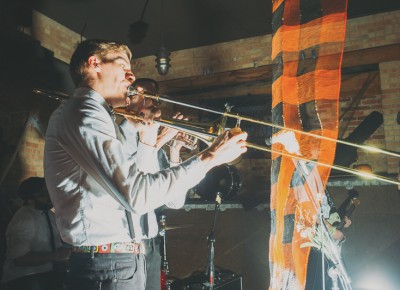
115	248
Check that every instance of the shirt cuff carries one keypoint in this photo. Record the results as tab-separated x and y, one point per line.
172	164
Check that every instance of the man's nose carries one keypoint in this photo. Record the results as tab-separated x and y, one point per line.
130	76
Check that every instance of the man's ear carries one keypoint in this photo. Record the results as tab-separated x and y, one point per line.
93	62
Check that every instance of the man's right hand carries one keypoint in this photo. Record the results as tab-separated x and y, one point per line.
225	148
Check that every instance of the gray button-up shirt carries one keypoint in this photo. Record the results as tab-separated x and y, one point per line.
28	231
92	176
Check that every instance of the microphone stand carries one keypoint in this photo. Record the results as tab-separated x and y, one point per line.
210	269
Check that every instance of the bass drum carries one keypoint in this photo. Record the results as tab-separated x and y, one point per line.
224	179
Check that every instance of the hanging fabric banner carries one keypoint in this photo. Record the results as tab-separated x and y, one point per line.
307	50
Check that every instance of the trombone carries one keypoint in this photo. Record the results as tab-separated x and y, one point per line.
206	134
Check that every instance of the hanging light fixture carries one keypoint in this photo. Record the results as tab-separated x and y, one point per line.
162	60
162	55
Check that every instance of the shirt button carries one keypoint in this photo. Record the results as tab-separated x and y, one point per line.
115	280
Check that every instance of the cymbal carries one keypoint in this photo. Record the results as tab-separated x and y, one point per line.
173	227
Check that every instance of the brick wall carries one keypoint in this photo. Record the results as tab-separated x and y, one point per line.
375	30
54	36
215	58
31	153
28	162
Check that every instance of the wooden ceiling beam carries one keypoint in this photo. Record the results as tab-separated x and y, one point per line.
351	84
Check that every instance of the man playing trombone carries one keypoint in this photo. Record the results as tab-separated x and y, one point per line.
92	170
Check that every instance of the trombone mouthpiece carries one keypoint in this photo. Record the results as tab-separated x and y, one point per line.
131	91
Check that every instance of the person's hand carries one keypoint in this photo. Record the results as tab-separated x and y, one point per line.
147	112
167	134
225	148
338	235
347	222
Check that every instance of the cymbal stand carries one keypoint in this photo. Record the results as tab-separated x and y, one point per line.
210	269
164	261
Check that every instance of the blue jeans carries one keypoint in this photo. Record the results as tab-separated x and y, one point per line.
106	272
153	264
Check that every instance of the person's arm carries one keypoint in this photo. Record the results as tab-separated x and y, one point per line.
90	139
158	137
158	160
175	153
174	160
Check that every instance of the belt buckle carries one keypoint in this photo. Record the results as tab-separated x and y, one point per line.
119	248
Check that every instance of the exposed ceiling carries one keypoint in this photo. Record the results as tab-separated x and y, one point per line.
183	23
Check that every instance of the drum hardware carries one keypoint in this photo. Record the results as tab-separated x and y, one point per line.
223	179
210	269
173	227
225	280
221	183
163	228
164	261
210	279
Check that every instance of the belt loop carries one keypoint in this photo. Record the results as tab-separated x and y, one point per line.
92	254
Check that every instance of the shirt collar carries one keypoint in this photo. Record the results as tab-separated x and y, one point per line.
90	93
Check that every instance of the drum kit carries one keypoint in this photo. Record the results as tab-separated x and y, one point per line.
220	184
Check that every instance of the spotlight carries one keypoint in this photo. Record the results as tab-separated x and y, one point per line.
162	60
376	280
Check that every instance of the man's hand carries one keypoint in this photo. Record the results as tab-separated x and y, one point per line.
338	235
225	148
147	112
167	134
347	222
